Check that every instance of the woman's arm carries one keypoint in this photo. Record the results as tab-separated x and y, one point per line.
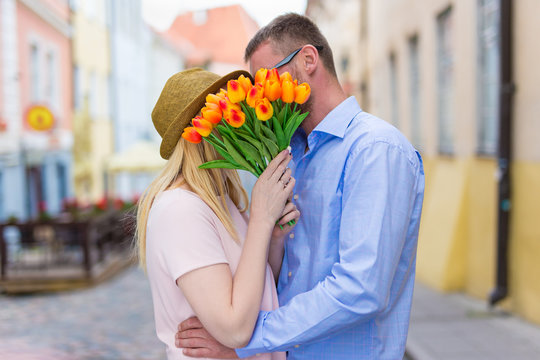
275	256
228	306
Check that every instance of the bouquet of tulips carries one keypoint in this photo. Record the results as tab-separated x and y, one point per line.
254	121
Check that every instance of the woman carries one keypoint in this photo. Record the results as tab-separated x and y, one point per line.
202	256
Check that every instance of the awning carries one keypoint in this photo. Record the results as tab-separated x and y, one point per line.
141	157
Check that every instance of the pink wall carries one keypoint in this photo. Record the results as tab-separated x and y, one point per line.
31	27
1	74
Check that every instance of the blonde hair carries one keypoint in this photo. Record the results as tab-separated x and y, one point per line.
211	185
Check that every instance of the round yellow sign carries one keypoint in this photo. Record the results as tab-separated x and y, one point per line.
40	118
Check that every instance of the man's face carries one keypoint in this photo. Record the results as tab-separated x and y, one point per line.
266	57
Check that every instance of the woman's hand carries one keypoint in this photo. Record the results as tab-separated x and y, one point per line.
272	189
290	212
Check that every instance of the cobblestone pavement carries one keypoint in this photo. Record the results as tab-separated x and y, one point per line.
113	321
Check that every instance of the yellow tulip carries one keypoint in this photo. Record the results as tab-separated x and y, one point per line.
235	91
212	112
202	126
301	93
245	82
260	75
213	99
256	93
264	109
235	118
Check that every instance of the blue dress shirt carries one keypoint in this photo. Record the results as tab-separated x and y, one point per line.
347	278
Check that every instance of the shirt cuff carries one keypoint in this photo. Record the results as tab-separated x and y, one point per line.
256	344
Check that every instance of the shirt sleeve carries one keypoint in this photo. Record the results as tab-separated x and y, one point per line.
186	236
379	189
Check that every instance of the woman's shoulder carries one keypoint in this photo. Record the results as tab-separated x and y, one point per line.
180	201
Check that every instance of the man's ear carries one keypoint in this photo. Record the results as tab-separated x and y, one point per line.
310	59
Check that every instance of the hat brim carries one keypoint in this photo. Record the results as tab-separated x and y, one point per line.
174	131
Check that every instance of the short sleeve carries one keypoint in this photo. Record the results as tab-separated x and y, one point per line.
184	235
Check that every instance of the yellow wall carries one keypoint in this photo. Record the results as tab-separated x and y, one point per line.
458	233
92	56
524	280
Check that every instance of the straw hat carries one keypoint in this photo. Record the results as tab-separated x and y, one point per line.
182	97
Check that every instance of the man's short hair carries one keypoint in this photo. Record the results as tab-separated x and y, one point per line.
289	32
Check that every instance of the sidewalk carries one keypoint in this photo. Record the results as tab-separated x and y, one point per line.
458	327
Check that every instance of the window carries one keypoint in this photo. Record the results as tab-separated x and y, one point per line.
488	76
77	103
62	183
414	91
34	73
394	90
445	86
92	94
51	81
1	195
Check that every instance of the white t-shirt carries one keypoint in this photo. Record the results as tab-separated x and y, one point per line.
184	234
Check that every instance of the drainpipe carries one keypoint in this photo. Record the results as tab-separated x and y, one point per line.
504	156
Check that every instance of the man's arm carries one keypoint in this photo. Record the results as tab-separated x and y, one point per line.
378	197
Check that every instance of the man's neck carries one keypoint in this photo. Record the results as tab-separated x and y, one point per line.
323	103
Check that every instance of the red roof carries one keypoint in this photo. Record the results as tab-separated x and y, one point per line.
222	33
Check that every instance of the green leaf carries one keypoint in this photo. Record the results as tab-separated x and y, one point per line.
257	127
221	164
290	124
281	141
238	158
297	123
271	146
269	134
282	114
250	151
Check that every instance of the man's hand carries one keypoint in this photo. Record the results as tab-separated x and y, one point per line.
198	343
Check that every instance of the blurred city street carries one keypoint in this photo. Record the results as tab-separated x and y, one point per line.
112	321
456	326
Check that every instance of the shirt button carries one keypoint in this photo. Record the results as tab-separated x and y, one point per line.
295	197
291	236
290	273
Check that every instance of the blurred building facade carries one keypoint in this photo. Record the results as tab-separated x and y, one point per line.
215	38
35	143
432	68
93	127
141	63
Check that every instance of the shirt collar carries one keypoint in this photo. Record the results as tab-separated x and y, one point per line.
337	120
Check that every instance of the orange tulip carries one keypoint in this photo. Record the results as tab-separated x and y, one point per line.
272	75
301	93
191	135
272	90
287	91
235	118
264	109
202	126
256	93
285	76
245	82
260	75
235	91
212	112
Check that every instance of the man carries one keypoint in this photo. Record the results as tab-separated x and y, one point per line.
346	282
